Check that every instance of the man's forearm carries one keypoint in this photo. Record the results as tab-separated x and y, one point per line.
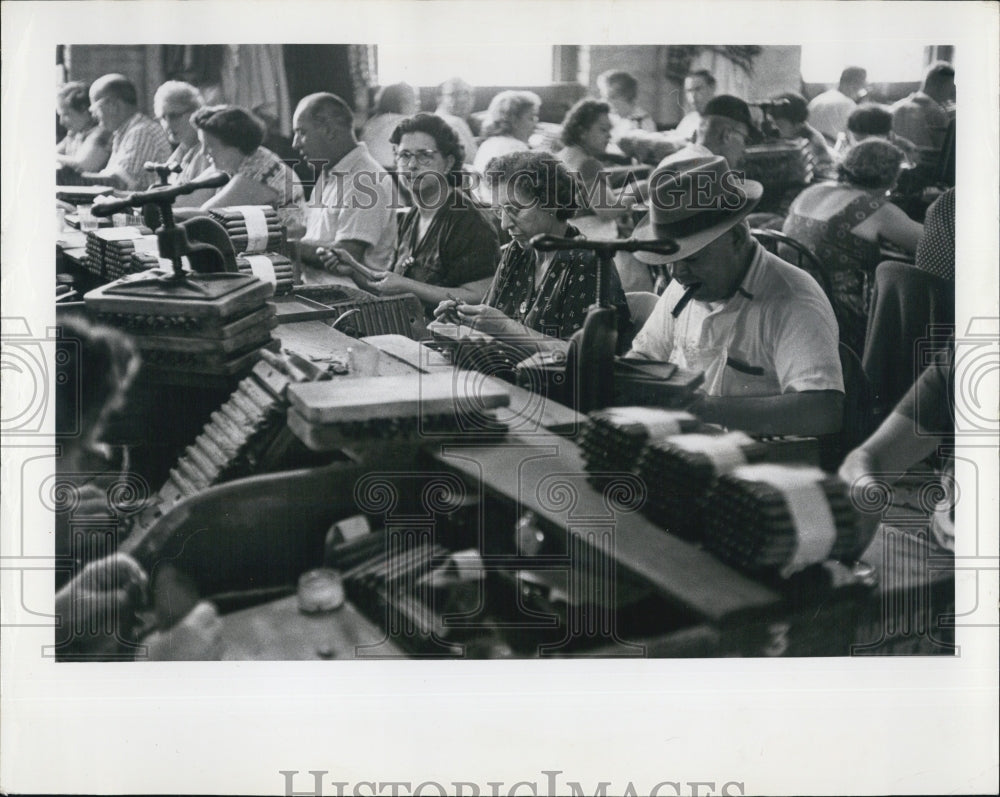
113	179
808	413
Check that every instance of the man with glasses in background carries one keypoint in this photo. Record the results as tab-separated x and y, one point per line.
135	138
726	128
352	202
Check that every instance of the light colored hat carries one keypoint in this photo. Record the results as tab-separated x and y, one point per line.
693	202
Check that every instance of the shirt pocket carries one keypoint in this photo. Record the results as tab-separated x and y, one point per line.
745	378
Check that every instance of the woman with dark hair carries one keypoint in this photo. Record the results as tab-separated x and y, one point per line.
231	138
393	104
586	131
447	245
872	121
86	147
790	113
510	121
844	222
538	295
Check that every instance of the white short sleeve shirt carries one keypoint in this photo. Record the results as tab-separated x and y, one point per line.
776	335
356	203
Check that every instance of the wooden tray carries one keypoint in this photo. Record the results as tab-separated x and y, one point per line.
397	397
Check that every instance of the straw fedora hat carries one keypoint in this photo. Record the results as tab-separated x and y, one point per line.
693	202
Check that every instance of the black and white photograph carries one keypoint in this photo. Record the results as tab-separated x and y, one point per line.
618	408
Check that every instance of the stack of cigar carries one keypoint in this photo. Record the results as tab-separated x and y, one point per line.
110	250
681	469
251	228
613	438
778	519
374	409
205	325
270	267
236	442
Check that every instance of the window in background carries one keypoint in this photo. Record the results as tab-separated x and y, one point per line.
479	64
885	61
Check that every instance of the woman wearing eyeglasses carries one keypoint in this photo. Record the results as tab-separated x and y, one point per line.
447	245
538	295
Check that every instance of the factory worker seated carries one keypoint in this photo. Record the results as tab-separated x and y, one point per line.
352	202
135	138
761	329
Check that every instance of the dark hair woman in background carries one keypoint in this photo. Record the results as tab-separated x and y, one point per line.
232	138
790	113
447	245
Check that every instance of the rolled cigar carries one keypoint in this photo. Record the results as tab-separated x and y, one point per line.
687	297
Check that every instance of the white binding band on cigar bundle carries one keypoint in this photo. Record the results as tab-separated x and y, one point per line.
256	226
725	452
262	267
147	243
815	529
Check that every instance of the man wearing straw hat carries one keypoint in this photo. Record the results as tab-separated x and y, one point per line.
761	329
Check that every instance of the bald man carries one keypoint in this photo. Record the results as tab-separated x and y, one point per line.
135	138
352	202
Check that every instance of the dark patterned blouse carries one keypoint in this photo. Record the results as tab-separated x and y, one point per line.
459	246
558	306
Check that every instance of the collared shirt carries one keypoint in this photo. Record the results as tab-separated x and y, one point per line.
777	334
829	112
356	203
137	140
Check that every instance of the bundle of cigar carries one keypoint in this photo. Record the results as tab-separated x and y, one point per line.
234	443
143	261
613	438
110	250
269	267
778	519
251	228
391	587
681	469
369	410
206	325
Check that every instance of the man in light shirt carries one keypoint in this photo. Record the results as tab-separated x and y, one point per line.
829	111
352	201
761	330
699	88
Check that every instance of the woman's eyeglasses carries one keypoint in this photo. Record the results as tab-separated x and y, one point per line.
425	157
512	211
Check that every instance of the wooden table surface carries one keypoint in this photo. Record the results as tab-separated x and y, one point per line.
278	631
